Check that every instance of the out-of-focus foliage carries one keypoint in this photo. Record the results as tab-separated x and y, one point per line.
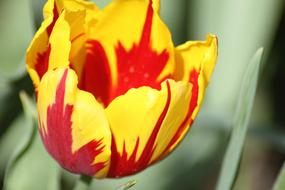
243	112
280	182
16	31
30	167
242	26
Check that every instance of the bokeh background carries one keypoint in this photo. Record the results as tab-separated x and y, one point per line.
242	26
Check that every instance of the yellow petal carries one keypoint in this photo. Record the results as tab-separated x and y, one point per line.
156	5
60	44
177	120
200	57
80	15
67	27
127	25
79	22
143	123
51	57
73	124
39	45
76	5
90	122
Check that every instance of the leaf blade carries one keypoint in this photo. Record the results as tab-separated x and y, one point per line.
244	107
280	181
127	185
31	167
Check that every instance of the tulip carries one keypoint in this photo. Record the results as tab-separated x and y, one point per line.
113	94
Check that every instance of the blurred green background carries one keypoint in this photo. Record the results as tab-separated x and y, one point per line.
242	26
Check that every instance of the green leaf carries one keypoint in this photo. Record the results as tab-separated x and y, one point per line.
127	185
236	43
242	115
31	167
16	130
8	140
15	35
270	135
28	106
280	182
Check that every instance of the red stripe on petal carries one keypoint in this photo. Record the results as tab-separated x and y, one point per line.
141	65
146	33
194	80
124	164
41	65
84	157
55	17
96	75
138	66
58	138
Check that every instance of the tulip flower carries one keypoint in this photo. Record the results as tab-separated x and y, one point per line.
114	95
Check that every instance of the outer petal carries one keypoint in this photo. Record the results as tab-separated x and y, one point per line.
196	58
52	58
131	33
59	40
73	124
55	32
39	48
143	122
156	5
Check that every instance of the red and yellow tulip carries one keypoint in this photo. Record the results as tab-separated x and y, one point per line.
114	95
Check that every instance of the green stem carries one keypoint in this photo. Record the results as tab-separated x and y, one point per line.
83	183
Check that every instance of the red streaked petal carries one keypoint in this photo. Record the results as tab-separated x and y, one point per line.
143	123
58	125
127	163
139	65
96	76
55	17
41	65
200	56
187	121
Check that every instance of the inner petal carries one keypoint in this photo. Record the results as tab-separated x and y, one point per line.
96	74
137	66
